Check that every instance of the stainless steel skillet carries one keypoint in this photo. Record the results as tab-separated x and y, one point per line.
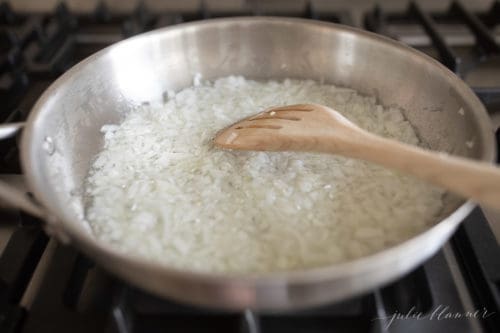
62	136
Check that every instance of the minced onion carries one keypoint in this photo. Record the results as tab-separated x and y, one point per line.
160	189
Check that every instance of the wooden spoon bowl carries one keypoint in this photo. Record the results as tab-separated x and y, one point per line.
317	128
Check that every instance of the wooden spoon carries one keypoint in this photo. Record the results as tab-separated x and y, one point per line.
317	128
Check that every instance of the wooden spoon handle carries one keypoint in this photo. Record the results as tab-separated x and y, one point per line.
476	180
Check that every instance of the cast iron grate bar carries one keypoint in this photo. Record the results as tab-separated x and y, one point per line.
20	257
10	54
492	16
429	291
17	264
77	279
50	46
48	312
250	322
13	85
7	16
410	293
102	13
446	55
311	12
478	254
11	317
203	11
32	31
136	311
376	21
484	38
122	321
141	21
63	14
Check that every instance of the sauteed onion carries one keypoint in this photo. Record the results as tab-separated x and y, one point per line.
161	189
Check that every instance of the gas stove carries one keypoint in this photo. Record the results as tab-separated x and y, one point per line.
49	287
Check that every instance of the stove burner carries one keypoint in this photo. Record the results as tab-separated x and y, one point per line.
48	287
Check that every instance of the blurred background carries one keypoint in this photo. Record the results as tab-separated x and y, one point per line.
265	6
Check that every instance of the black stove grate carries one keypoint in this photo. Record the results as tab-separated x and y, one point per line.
478	252
78	296
481	26
17	264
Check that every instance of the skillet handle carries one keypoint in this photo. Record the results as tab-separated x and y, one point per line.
10	195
